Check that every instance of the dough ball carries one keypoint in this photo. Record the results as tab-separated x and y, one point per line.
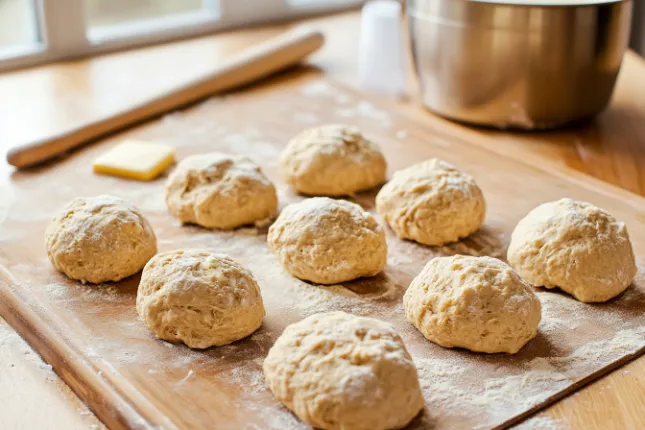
575	246
332	160
339	371
199	298
328	241
99	239
477	303
220	191
432	203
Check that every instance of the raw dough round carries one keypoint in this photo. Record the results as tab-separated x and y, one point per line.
99	239
575	246
220	191
339	371
199	298
432	203
328	241
332	160
477	303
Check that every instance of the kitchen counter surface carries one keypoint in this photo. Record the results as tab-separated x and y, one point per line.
48	99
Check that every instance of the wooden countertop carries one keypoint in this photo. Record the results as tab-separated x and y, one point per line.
41	101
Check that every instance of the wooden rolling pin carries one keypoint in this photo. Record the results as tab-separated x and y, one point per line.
251	65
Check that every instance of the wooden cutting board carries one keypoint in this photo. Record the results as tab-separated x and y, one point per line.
93	339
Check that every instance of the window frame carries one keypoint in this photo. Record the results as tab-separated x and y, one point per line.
64	33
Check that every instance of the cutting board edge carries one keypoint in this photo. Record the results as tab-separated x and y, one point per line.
125	416
104	399
577	385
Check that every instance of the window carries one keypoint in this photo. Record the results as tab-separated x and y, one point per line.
18	27
101	13
114	19
37	31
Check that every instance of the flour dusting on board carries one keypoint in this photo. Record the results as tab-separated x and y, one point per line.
347	109
306	118
319	88
18	359
225	385
366	110
451	380
542	423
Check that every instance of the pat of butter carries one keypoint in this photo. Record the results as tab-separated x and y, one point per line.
133	159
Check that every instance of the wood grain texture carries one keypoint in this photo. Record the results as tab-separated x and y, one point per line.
50	99
32	394
262	60
94	340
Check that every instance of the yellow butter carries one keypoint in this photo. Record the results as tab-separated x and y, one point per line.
133	159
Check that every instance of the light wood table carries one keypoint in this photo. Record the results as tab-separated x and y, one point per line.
44	100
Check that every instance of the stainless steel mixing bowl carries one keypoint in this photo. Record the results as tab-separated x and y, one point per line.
518	63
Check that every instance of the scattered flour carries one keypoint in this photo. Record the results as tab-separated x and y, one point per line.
88	293
626	341
249	143
399	259
477	390
342	99
360	297
361	109
442	143
401	134
478	244
306	118
542	423
319	89
59	402
456	385
494	399
188	376
252	380
366	110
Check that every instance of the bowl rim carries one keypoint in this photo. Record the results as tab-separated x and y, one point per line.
546	3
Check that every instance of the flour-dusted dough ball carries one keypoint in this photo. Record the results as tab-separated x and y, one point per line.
332	160
328	241
220	191
199	298
432	203
576	247
477	303
339	371
99	239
